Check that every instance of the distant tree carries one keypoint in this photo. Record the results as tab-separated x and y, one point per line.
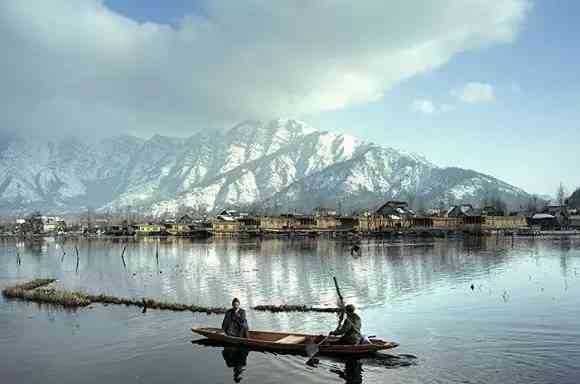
574	199
33	223
561	194
492	199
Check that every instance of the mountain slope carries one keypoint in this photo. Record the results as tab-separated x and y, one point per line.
277	165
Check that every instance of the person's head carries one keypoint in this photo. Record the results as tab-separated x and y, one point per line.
235	303
349	308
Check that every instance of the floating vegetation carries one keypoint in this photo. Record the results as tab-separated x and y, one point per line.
36	291
293	308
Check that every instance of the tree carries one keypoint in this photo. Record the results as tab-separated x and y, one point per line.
561	194
574	199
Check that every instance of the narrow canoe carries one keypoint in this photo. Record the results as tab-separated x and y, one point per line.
293	342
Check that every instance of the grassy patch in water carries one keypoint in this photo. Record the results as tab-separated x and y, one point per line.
293	308
34	291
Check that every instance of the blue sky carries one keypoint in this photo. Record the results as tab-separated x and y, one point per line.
491	86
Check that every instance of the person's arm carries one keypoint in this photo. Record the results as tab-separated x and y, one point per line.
344	328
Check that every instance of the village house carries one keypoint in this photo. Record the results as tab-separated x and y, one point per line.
447	223
379	223
250	224
149	230
504	222
324	212
349	223
471	219
184	226
422	222
225	227
574	222
491	211
38	224
276	223
560	212
543	221
231	215
122	229
326	222
399	209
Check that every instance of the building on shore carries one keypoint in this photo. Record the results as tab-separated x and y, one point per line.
575	222
543	221
150	229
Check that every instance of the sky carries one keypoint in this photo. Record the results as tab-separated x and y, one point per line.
486	85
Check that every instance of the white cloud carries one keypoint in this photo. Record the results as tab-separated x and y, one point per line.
72	65
475	92
425	106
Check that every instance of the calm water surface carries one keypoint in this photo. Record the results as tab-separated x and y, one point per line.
519	324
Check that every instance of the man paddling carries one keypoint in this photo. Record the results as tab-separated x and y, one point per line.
350	328
235	323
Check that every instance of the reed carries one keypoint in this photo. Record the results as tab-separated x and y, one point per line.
123	257
34	291
77	252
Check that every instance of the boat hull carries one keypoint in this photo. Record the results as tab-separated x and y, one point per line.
294	342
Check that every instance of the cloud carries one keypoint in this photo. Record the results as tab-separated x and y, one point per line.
475	92
77	65
424	106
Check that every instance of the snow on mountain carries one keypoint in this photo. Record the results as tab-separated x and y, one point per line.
281	164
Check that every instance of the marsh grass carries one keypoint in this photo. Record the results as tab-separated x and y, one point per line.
293	308
37	291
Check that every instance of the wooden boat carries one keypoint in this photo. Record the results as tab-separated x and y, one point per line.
293	342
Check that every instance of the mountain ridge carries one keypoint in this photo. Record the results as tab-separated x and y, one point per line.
275	165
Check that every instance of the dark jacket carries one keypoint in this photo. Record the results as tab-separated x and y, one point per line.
235	323
350	329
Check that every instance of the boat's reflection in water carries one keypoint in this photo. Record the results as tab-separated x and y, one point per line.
349	369
352	372
236	358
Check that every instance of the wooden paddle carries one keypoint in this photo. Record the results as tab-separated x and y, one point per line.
313	349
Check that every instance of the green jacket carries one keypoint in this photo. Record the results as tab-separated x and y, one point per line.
350	329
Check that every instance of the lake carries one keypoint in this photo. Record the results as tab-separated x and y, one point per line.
491	310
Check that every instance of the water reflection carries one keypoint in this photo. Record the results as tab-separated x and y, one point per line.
236	358
352	373
520	320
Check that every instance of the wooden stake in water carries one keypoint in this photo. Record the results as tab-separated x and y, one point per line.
63	254
157	254
123	257
77	252
18	259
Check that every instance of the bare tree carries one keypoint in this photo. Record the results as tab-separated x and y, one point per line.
561	194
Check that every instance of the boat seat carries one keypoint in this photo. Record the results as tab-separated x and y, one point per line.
292	339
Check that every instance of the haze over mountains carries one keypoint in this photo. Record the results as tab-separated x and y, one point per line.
271	166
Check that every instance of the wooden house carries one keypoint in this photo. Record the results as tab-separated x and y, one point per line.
149	230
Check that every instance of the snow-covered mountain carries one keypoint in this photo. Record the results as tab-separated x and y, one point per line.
278	165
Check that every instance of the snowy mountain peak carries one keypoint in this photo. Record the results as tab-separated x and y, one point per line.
278	164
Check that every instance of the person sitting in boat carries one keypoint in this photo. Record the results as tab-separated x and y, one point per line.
235	323
350	328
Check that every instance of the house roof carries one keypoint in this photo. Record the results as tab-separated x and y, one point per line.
543	216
